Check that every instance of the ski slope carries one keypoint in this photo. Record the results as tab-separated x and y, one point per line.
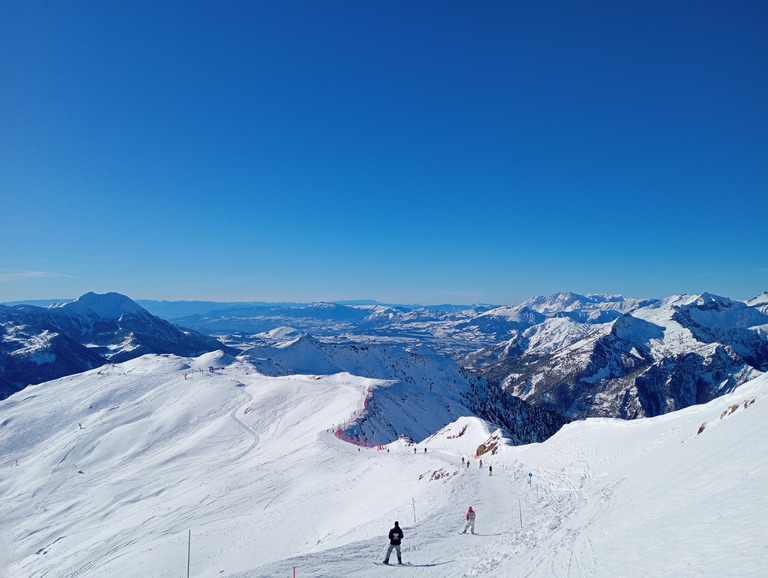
125	470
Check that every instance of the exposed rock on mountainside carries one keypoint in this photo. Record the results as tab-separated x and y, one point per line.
661	357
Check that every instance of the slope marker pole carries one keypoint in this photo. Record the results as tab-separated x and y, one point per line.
189	550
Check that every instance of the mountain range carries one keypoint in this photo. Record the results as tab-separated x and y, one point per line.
652	358
577	355
572	355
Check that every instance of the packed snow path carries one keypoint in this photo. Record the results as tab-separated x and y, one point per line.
106	473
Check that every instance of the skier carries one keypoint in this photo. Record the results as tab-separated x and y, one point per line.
395	535
470	520
462	460
481	464
490	470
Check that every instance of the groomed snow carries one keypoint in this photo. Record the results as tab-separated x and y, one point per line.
107	473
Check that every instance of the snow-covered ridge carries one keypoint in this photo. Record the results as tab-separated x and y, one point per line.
666	355
760	302
410	379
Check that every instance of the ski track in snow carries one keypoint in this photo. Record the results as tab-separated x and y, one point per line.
250	464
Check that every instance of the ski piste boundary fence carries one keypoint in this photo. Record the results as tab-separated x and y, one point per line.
350	439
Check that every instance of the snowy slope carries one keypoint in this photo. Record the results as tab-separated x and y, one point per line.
108	472
430	388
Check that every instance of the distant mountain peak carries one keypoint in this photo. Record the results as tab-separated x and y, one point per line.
106	306
705	298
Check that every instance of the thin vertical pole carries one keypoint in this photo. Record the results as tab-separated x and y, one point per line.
189	550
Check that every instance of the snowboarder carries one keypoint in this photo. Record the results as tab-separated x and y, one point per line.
490	470
395	535
470	520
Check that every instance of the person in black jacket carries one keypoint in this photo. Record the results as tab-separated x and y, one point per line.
395	535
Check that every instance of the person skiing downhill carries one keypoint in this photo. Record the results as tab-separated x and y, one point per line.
470	520
395	535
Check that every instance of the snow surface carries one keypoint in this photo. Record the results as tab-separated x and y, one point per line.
107	474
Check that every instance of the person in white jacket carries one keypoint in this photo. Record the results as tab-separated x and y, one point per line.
470	520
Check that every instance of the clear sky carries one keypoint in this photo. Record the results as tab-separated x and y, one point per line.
410	152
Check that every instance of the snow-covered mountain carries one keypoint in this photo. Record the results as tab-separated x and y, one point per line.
583	308
575	354
43	343
421	382
659	357
760	302
160	465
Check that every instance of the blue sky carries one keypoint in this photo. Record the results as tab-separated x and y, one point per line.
411	152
